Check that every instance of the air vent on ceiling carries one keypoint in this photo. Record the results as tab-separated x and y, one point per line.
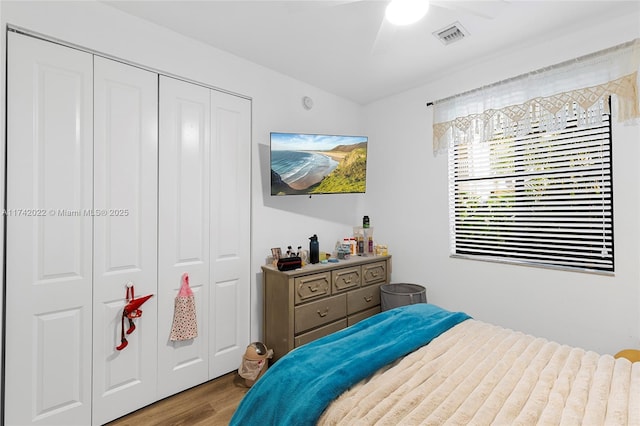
451	33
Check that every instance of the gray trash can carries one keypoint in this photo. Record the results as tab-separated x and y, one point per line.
401	294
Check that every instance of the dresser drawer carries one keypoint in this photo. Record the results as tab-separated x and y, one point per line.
320	332
309	287
320	312
374	273
352	319
363	298
345	278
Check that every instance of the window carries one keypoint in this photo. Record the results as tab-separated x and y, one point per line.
541	198
530	173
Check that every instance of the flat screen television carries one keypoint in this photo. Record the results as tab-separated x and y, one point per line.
308	164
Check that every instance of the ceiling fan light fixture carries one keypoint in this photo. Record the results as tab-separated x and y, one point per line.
406	12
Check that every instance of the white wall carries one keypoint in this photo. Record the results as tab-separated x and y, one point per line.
408	200
276	106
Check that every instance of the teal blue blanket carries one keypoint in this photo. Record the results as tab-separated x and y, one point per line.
298	388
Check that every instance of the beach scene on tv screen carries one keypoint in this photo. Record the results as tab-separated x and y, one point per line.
317	164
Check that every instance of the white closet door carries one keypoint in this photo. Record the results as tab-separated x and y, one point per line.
183	239
230	231
125	236
48	255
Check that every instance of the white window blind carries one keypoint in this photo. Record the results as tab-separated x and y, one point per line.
543	198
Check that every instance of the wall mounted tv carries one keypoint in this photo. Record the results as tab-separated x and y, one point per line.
308	164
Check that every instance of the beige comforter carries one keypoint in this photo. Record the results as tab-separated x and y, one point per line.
477	374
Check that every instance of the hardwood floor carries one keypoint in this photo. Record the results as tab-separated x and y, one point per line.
212	404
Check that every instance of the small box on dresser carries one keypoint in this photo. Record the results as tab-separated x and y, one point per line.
307	303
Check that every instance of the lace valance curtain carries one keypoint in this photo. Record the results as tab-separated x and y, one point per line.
545	99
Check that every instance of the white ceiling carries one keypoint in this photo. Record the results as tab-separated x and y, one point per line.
347	48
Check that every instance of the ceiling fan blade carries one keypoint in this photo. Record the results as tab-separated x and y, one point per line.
303	6
483	9
384	38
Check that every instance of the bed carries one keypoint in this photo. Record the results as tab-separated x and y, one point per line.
421	364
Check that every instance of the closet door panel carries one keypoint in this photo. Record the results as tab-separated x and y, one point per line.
183	228
125	236
48	240
230	230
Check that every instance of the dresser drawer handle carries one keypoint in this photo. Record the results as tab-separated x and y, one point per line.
323	314
368	299
314	288
375	274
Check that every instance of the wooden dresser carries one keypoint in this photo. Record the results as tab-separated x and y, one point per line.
316	300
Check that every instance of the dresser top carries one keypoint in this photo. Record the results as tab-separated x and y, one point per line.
319	267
